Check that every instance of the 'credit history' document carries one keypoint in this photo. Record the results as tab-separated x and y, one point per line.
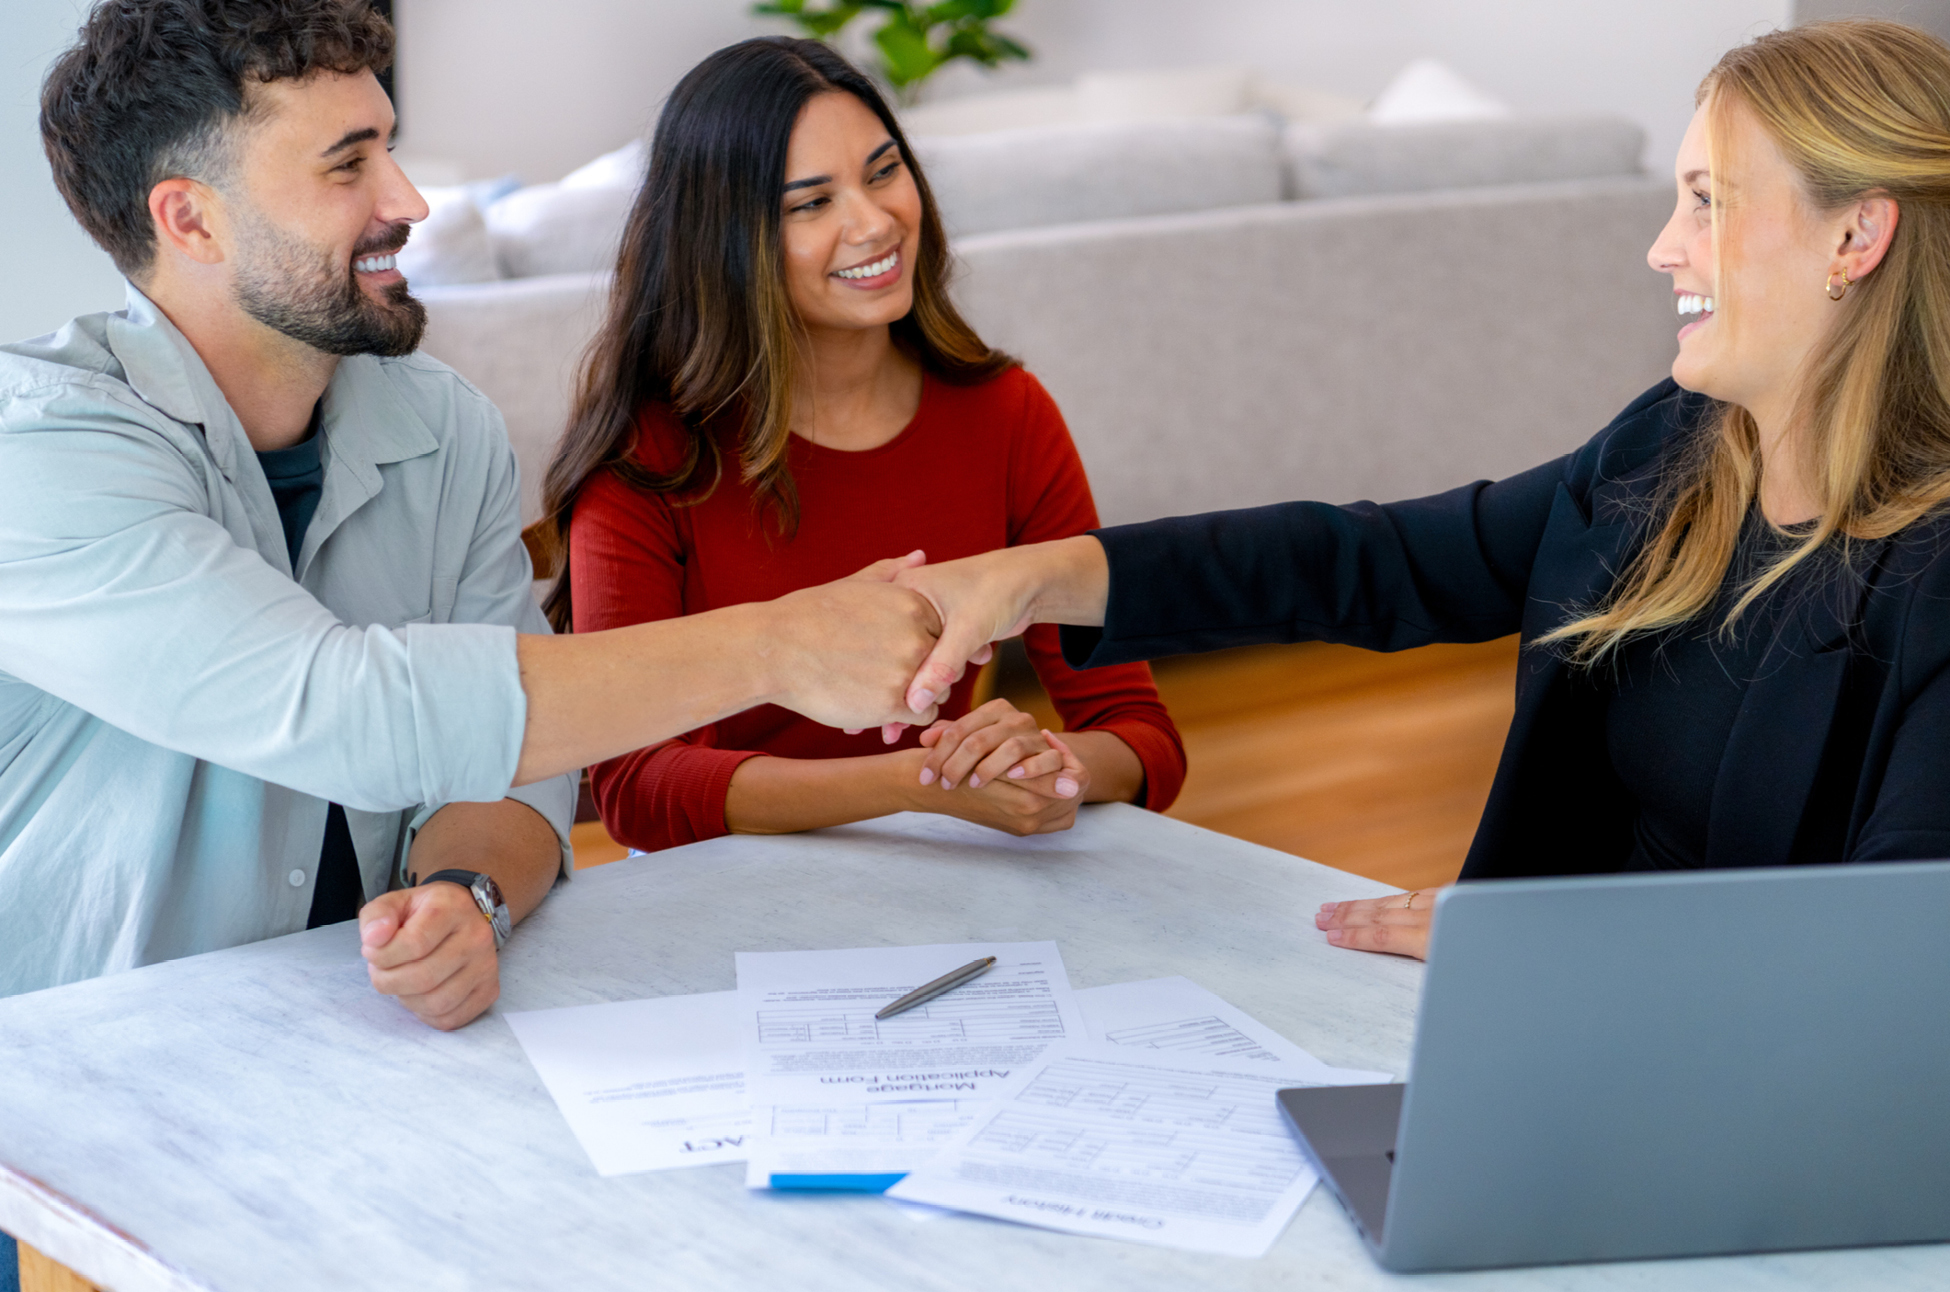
1179	1150
836	1092
1178	1016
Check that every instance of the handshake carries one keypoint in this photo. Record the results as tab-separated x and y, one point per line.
884	647
879	649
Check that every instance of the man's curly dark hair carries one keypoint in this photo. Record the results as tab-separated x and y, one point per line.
154	87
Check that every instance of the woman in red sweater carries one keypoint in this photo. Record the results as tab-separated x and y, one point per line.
782	395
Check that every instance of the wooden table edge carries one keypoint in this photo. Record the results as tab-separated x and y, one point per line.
64	1247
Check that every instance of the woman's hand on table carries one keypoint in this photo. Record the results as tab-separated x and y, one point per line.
1397	924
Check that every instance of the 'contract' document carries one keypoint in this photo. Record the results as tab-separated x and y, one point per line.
1178	1150
645	1084
836	1092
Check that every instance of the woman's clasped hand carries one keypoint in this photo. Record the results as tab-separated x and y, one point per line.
1014	775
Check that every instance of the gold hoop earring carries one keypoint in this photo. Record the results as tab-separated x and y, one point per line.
1834	295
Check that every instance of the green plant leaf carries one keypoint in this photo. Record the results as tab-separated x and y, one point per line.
983	46
904	51
818	23
969	10
1007	48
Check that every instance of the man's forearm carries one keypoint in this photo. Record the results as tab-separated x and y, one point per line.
592	696
508	840
840	653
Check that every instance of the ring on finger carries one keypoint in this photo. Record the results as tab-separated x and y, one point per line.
1409	905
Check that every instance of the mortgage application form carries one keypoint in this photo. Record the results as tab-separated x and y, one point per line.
813	1033
836	1091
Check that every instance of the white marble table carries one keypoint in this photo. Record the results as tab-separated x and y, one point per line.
259	1119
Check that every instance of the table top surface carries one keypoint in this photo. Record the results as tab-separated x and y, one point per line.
260	1118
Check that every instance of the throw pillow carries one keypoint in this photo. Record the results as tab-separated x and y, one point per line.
1426	91
451	245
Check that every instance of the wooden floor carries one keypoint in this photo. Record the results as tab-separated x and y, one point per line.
1378	764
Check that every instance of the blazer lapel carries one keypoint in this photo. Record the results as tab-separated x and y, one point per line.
1576	563
1774	753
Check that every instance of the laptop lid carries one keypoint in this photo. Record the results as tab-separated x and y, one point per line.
1664	1065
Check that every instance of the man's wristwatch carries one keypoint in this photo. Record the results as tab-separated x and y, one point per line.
487	896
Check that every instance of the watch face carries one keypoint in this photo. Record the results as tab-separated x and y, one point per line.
493	891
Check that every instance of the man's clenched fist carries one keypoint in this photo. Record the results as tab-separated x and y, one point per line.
431	947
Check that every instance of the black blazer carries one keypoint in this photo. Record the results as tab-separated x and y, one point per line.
1840	751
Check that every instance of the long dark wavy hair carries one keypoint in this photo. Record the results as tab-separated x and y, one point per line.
699	319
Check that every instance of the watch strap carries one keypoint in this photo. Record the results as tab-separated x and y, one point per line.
486	894
465	878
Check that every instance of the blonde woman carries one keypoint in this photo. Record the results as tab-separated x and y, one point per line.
1735	621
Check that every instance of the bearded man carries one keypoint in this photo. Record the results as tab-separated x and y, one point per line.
269	657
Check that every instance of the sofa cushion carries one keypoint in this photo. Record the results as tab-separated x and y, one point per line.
1128	96
974	114
623	168
1165	94
1012	179
1292	101
1352	158
558	228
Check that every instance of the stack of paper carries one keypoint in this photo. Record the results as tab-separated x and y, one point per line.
1142	1110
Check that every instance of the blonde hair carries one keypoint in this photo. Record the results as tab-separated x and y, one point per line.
1858	108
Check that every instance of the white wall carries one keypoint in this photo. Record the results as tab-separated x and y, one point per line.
49	271
494	85
1932	16
510	85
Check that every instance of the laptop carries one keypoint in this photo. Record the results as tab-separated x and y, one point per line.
1642	1066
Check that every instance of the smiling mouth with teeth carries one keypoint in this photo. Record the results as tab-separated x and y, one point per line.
1691	304
375	264
874	270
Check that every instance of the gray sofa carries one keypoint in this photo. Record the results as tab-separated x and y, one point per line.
1373	344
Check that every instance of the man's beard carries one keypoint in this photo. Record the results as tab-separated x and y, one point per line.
295	289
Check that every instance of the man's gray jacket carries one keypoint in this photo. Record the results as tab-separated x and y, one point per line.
178	706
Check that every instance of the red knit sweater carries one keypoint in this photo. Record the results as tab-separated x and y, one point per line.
979	467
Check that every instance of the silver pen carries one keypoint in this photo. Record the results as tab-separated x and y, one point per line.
946	982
